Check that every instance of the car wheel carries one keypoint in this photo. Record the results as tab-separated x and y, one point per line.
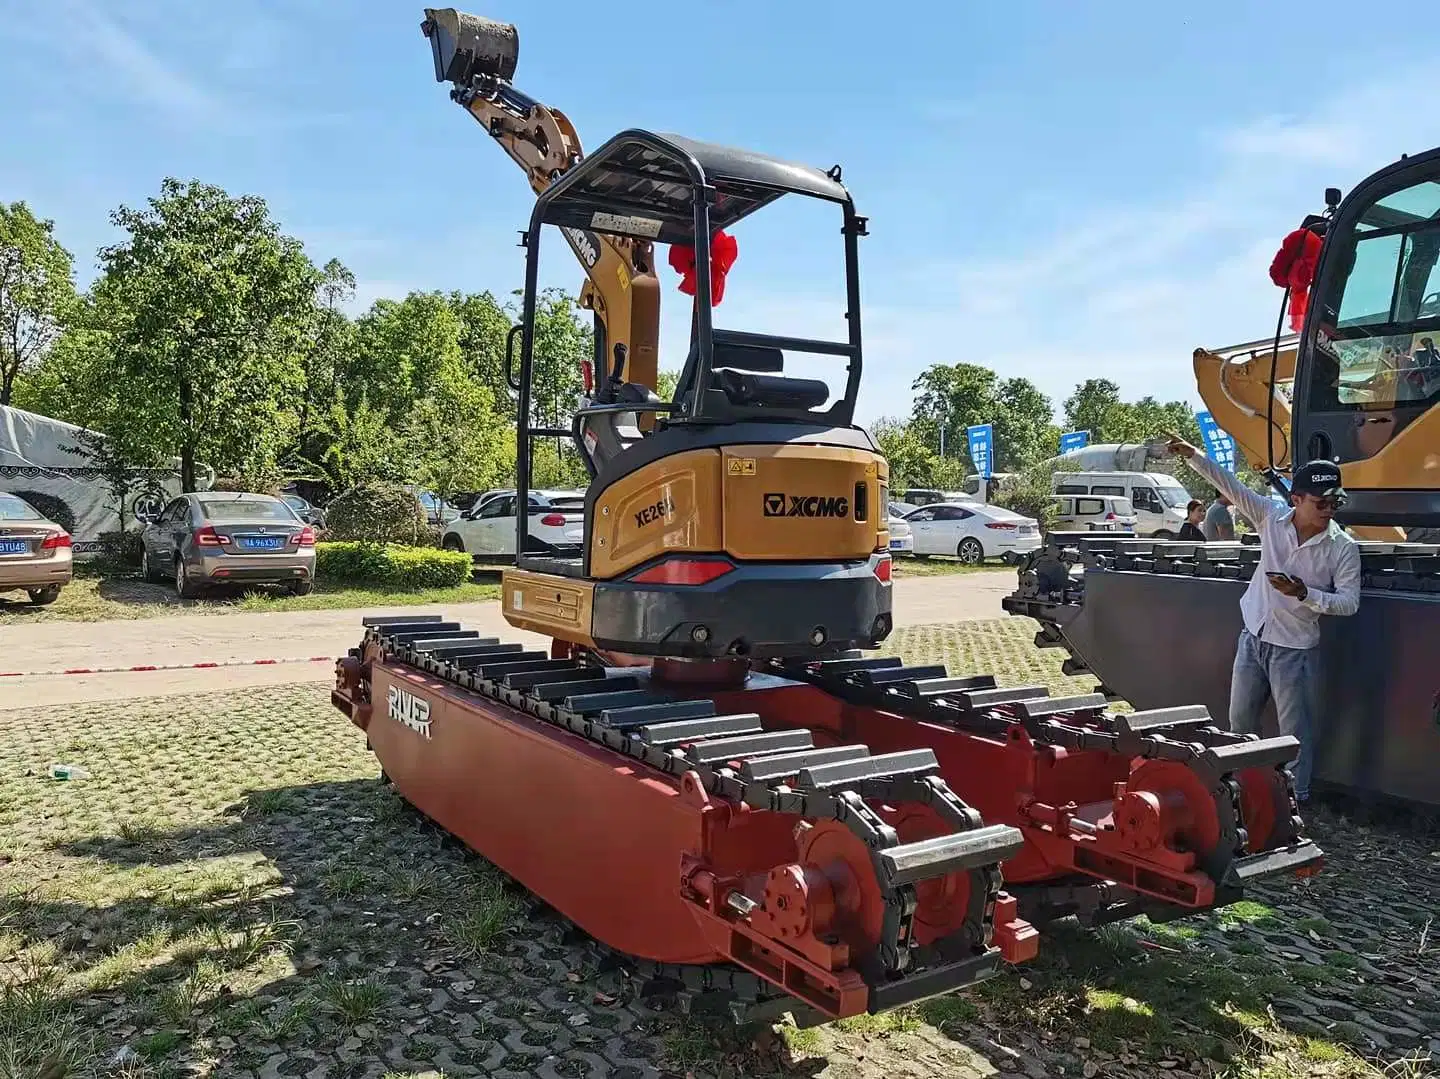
970	551
302	588
1163	534
184	587
452	542
147	568
41	597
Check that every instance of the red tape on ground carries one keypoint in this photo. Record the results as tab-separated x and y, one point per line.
169	666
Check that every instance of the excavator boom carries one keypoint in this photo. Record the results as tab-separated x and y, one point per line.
479	56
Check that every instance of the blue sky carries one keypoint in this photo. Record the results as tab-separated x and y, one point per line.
1055	190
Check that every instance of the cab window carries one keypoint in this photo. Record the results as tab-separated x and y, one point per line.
1382	352
1072	489
1087	506
504	506
1107	489
1146	499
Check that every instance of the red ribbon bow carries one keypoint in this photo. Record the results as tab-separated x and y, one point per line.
1294	267
722	256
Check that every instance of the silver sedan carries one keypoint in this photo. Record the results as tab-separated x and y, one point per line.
221	537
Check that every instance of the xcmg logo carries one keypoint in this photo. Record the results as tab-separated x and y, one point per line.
585	245
778	504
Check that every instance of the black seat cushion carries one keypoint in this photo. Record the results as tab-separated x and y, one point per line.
771	391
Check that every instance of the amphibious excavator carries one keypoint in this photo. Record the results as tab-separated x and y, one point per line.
1357	382
704	770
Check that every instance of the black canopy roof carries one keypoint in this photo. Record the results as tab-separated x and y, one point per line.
641	184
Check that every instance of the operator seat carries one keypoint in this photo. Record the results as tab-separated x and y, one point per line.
749	375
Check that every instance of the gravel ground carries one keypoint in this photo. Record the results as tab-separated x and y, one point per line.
232	892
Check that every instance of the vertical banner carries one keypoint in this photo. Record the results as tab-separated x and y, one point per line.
1219	446
981	436
1074	440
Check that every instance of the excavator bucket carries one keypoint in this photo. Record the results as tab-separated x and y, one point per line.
468	45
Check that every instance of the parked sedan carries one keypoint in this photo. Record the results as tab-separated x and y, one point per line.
902	539
35	552
214	537
487	529
973	531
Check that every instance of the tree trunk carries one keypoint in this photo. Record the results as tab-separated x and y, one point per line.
7	384
187	448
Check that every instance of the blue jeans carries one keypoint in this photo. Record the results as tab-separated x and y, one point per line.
1291	676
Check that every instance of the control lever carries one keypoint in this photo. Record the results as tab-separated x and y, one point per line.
610	392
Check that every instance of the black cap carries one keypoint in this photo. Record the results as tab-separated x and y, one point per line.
1318	478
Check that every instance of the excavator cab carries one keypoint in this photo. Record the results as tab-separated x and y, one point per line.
1368	366
749	519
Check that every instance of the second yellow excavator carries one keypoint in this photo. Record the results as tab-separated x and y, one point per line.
1357	383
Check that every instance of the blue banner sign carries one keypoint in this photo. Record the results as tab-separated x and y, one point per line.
1219	446
1074	440
981	437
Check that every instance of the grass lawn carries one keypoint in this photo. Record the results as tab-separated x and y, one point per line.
232	892
940	566
93	598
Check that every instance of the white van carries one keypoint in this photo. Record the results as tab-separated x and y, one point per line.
1158	497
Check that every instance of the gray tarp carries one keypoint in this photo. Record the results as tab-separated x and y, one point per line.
35	463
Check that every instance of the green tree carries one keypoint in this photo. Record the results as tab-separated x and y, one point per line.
36	292
402	347
910	460
206	306
324	361
1088	408
454	440
962	395
484	324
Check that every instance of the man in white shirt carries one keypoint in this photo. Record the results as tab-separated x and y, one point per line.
1309	566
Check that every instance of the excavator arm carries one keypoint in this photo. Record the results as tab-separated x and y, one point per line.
1235	384
478	56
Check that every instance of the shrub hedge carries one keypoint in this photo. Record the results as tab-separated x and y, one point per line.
376	511
392	565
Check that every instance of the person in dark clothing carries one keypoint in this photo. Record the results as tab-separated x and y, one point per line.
1194	514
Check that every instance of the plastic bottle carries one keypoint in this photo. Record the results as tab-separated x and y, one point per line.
68	771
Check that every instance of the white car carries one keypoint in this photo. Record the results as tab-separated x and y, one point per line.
902	538
487	529
973	532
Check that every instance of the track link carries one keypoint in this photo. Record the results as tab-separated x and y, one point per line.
734	758
1185	735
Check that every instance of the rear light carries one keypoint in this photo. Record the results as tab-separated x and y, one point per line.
1110	516
882	570
305	537
999	524
54	541
687	571
206	536
553	520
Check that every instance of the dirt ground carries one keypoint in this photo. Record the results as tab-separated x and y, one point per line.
298	636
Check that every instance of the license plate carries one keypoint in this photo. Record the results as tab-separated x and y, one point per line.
14	546
262	543
895	545
1026	530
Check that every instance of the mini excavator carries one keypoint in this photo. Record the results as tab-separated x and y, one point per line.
1356	382
705	772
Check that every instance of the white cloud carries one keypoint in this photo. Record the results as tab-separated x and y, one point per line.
89	35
